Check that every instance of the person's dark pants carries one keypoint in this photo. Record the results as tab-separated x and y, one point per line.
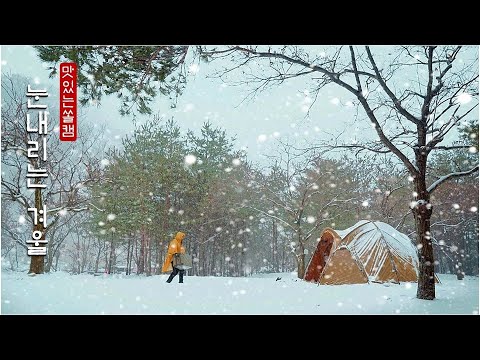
174	273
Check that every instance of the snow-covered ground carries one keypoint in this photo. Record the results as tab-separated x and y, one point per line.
61	293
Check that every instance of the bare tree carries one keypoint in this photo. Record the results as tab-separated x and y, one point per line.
410	121
70	168
299	199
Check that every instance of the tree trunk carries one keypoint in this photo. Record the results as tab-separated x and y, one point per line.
37	264
48	263
99	253
141	263
300	260
57	257
275	246
105	253
157	256
111	257
127	271
423	212
149	255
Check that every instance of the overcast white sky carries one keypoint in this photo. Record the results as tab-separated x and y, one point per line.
276	113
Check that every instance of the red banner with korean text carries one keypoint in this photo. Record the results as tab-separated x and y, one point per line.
68	101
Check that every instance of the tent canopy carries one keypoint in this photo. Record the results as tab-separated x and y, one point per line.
368	251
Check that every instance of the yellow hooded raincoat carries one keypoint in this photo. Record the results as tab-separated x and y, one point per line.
174	247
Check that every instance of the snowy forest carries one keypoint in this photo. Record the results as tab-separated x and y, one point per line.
409	159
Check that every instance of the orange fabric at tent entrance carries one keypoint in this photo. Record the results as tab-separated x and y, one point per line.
367	252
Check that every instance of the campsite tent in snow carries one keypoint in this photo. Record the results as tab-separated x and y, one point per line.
368	251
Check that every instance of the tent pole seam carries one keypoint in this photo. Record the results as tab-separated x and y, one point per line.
389	252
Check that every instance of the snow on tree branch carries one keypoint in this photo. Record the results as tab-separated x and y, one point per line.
434	186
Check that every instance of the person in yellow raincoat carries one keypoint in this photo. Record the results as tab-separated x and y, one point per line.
174	247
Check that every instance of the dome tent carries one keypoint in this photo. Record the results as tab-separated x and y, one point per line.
369	251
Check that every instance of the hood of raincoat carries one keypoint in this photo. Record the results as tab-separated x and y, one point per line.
174	247
180	236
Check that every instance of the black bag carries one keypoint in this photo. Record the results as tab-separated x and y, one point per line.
182	261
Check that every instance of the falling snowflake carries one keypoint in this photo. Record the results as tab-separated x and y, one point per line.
410	178
349	103
101	223
111	217
190	159
463	98
335	101
305	108
292	188
365	203
4	62
228	169
472	149
218	229
103	231
307	100
21	219
236	162
194	69
36	80
310	219
105	162
456	206
180	212
262	138
408	285
473	209
188	107
63	212
276	134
